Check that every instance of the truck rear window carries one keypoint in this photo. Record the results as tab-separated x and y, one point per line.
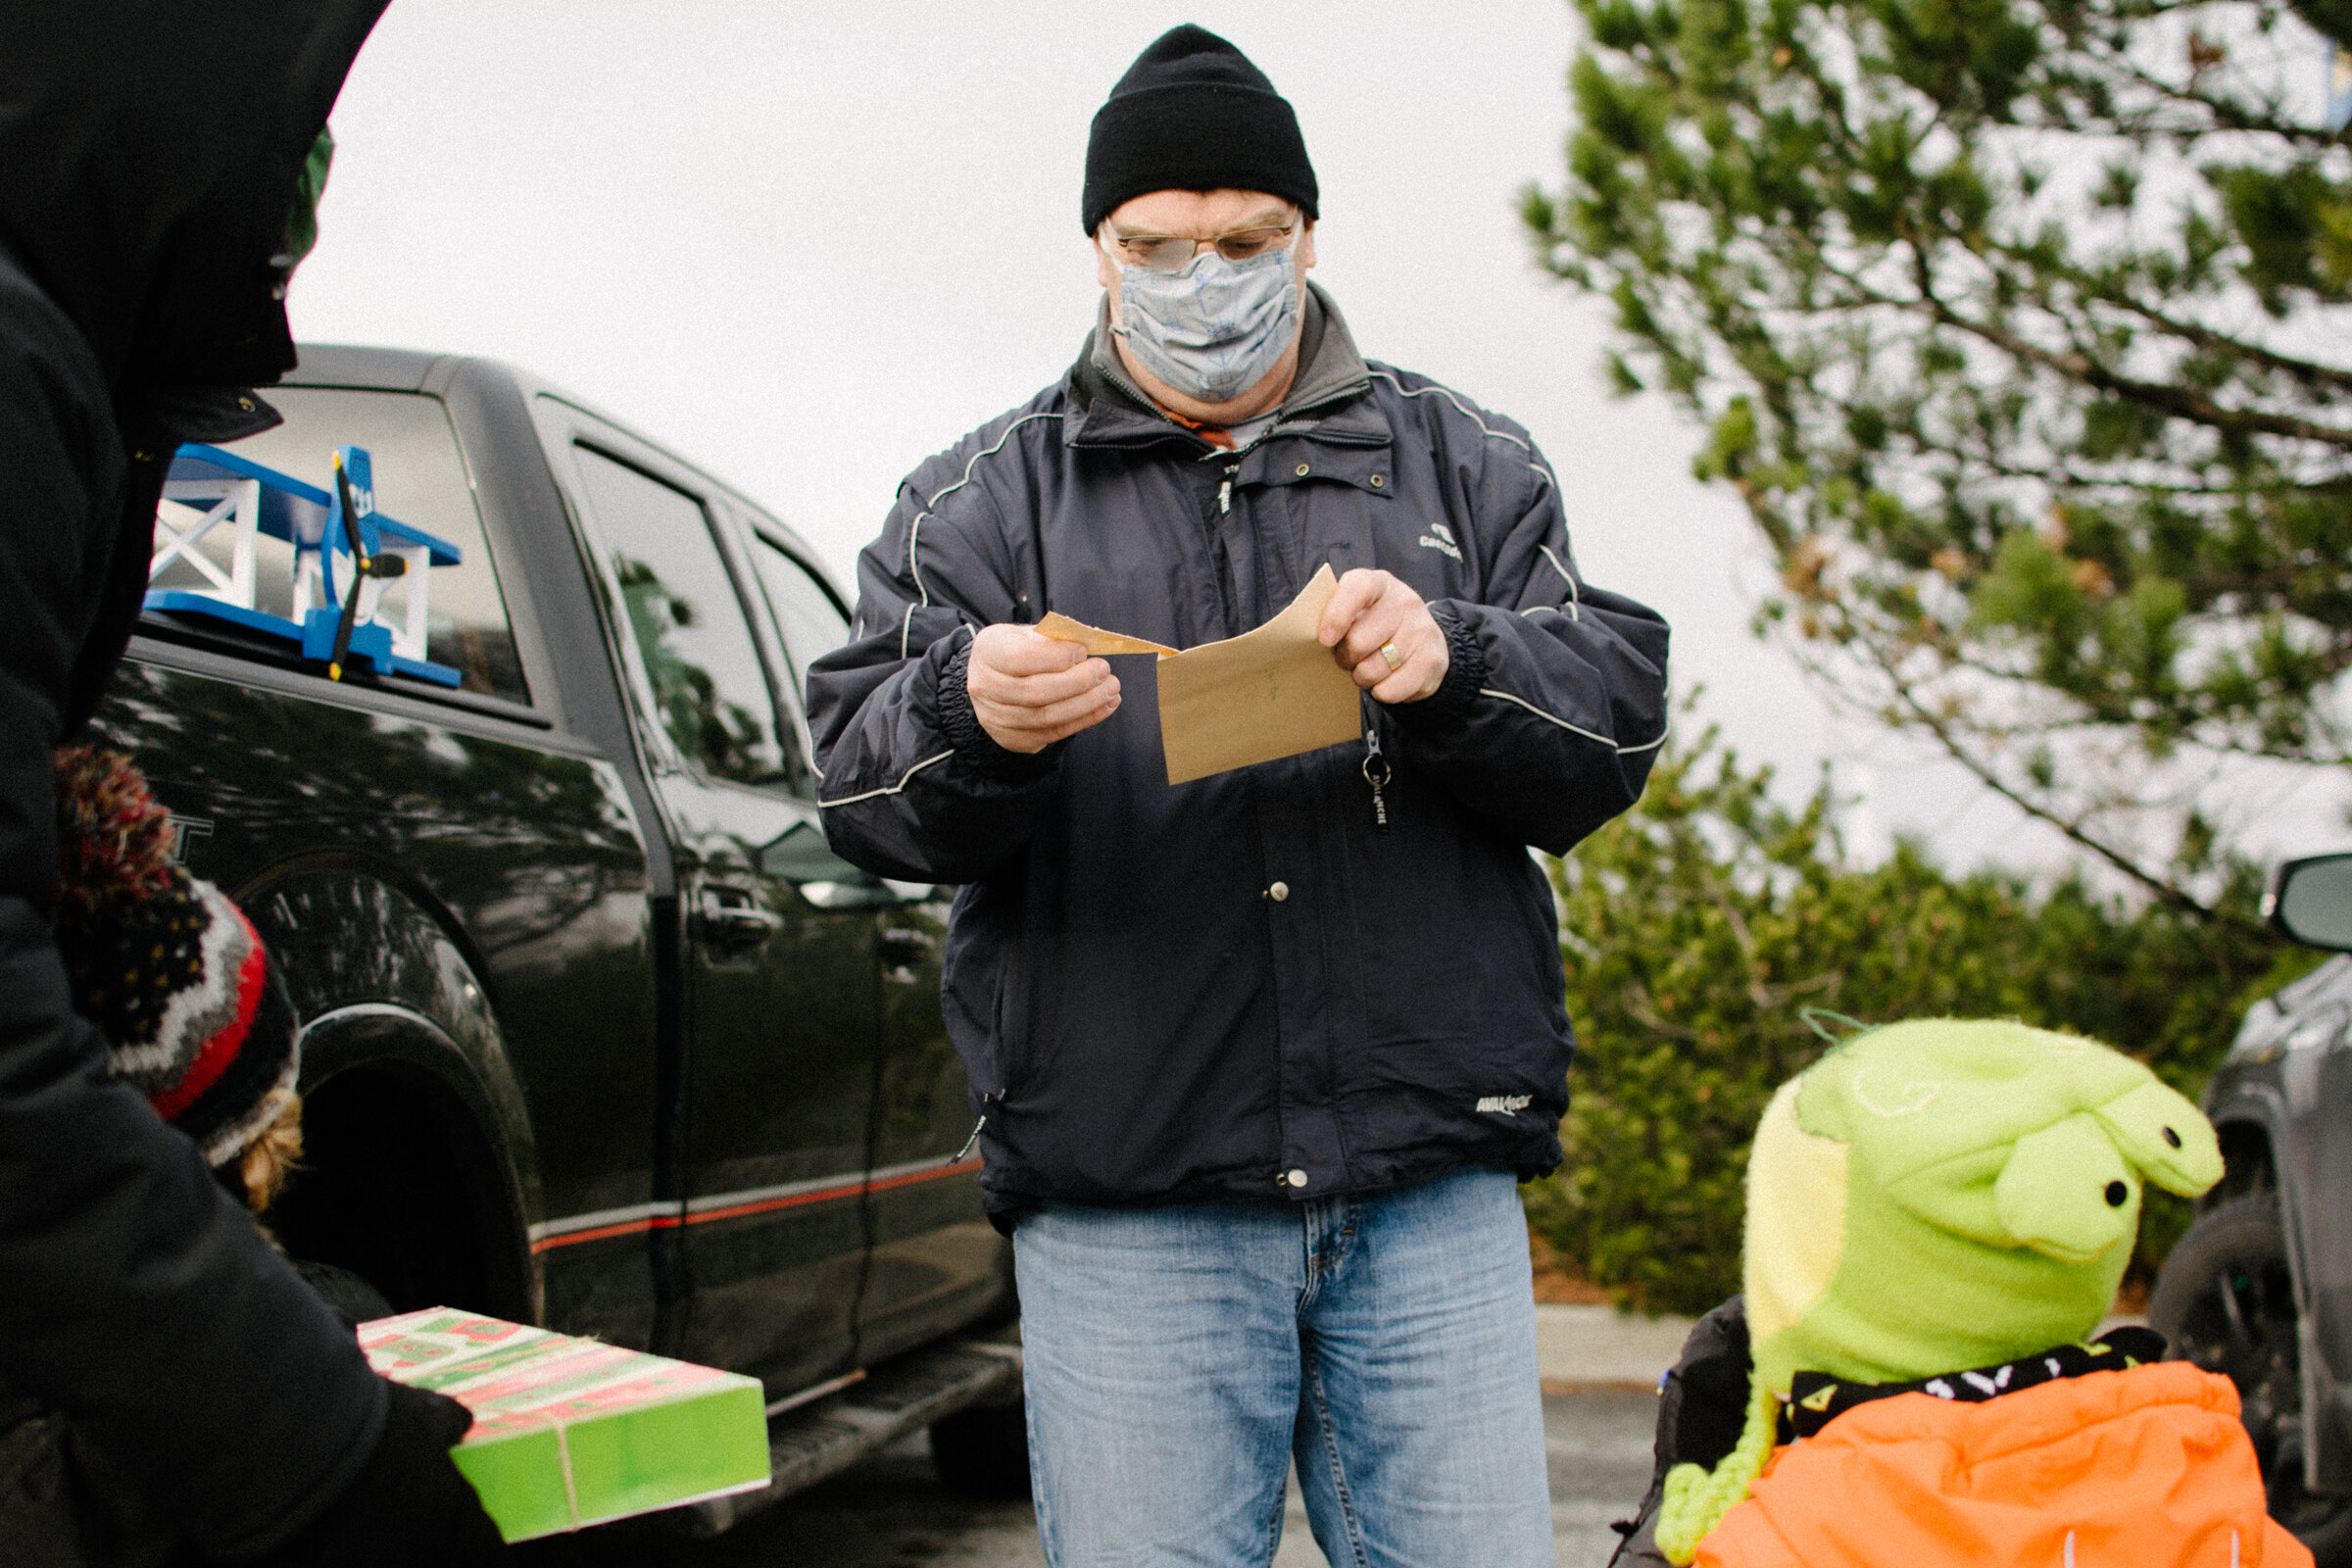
421	480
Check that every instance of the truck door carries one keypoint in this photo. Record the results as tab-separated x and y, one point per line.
781	996
936	1260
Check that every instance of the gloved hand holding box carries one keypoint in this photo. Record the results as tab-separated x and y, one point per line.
569	1432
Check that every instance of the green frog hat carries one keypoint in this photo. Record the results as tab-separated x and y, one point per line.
1934	1196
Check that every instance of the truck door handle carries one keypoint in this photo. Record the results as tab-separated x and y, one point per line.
733	923
900	948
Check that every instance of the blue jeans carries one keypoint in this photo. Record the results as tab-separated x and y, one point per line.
1178	1357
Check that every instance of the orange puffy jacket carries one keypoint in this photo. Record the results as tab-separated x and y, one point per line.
2137	1469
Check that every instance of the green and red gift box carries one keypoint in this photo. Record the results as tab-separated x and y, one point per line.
572	1432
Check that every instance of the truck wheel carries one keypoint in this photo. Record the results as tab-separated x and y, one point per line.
2226	1300
348	1296
983	1450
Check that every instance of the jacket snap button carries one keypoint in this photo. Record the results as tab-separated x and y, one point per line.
1378	481
1297	1178
1300	470
1278	891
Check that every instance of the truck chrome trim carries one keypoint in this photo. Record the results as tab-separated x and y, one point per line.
605	1223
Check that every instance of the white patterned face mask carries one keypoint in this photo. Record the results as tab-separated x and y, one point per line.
1214	328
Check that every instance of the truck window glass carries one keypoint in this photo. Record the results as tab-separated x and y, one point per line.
421	479
809	622
711	694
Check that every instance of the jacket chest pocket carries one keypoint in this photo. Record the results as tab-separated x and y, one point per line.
1008	1026
1304	518
1305	525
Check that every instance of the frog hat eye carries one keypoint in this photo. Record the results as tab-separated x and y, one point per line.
2164	1135
2067	1191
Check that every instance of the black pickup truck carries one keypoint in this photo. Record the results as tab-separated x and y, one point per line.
596	1032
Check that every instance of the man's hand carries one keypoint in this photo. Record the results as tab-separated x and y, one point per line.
1029	691
1370	618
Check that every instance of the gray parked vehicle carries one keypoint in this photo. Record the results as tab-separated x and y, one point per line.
2261	1287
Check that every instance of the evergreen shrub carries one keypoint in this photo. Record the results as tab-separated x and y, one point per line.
1698	927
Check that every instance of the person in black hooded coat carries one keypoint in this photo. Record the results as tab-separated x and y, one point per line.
149	155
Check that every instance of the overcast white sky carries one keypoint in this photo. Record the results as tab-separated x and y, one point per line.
809	245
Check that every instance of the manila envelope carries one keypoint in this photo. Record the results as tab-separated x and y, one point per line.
1270	693
1094	639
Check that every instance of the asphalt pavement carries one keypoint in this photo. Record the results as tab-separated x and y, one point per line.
1600	1408
892	1512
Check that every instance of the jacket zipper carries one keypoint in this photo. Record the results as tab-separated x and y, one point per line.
969	1144
987	1099
1226	593
1376	773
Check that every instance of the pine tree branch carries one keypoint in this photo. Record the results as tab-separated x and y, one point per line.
2164	888
2307	371
2094	710
2056	474
2227	116
2081	366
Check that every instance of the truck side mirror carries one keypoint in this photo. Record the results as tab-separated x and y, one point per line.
2311	901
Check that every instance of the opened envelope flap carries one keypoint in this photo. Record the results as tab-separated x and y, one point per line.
1094	639
1268	694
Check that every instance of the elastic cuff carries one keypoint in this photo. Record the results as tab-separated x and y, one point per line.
971	739
1465	669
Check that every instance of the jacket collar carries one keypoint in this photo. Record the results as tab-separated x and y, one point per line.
1327	400
1816	1398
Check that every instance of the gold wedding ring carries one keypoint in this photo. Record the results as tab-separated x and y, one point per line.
1388	650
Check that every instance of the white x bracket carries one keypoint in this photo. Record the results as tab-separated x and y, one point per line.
233	501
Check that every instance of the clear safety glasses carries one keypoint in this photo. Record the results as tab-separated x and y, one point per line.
1172	253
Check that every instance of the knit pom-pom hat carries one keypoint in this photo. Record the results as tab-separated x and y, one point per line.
165	967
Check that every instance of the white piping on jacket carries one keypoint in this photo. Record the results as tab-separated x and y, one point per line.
1578	729
888	789
914	529
1467	412
1575	598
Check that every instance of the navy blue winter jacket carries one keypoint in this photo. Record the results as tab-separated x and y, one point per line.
1244	986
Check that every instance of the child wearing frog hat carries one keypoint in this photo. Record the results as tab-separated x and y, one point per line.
1939	1213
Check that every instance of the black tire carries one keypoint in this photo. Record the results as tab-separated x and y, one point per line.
351	1297
2225	1300
983	1451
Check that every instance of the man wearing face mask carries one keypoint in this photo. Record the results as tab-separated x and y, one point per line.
1257	1059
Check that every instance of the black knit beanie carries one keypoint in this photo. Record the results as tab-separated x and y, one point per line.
1194	113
